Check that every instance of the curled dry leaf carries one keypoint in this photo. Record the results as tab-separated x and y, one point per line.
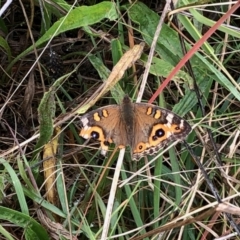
49	167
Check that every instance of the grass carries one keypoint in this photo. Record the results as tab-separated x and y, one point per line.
54	185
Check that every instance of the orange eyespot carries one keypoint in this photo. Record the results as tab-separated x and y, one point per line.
140	147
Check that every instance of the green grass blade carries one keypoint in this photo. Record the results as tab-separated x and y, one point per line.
17	185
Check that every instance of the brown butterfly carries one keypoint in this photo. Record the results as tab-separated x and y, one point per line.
146	128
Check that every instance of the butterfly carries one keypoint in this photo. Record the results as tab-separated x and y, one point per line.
144	127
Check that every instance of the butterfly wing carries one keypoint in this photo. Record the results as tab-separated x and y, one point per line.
105	125
154	128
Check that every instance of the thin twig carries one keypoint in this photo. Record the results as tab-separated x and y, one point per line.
152	50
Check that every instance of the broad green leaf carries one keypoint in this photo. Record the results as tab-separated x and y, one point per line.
24	221
46	112
80	17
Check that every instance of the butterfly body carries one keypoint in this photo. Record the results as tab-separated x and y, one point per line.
144	127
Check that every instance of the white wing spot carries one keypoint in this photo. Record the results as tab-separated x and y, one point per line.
170	118
84	121
103	152
181	124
